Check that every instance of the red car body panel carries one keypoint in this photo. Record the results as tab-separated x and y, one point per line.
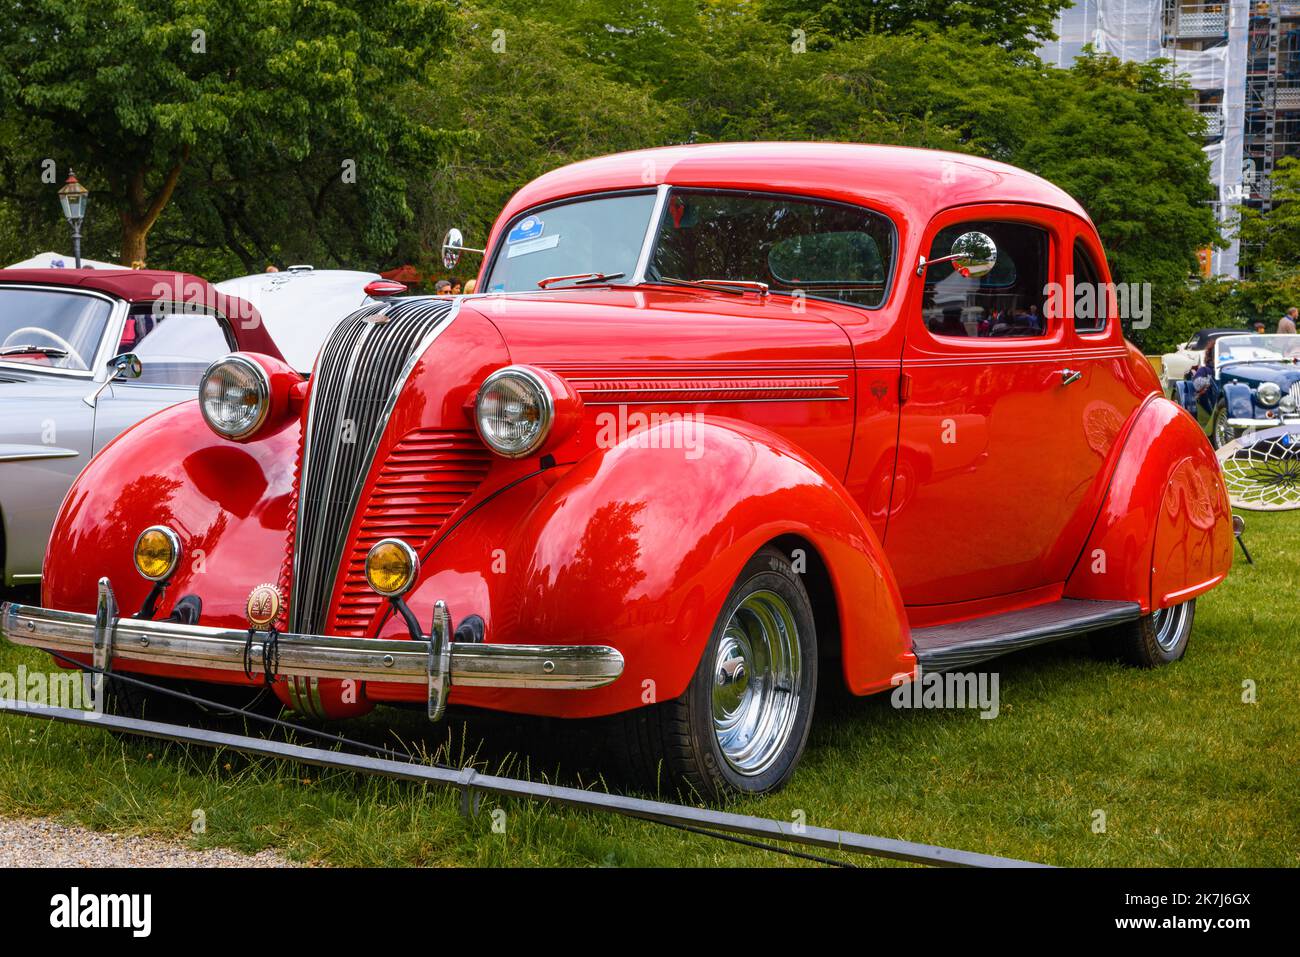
819	430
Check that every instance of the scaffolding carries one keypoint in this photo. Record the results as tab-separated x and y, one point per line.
1242	61
1272	96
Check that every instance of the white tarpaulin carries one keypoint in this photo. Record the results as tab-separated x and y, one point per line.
60	261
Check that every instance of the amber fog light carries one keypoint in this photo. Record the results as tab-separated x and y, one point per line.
391	567
235	396
157	553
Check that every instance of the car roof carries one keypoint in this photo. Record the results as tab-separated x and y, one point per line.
1203	336
906	182
153	285
301	305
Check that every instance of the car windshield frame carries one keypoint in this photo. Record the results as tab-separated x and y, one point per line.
630	279
98	365
658	216
1254	340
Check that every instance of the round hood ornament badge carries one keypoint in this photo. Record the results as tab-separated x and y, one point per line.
263	607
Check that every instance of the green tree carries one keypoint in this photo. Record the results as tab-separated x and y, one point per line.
1270	245
138	94
1020	26
531	101
1119	138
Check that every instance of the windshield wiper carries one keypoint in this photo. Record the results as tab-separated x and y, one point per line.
735	287
32	350
580	279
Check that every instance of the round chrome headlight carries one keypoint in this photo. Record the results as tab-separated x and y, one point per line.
514	411
157	553
1270	393
391	567
234	395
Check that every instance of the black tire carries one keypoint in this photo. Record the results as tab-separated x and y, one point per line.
1153	640
676	744
128	700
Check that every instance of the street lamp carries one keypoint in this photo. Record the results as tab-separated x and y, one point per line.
74	197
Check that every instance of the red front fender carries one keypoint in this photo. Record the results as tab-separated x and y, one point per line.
637	546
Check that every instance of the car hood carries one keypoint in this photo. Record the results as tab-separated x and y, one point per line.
1256	373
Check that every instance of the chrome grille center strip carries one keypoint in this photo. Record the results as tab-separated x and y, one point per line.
359	376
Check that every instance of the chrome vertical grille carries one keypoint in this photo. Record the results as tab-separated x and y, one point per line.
358	377
1295	393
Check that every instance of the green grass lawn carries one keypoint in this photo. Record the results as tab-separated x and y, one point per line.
1184	771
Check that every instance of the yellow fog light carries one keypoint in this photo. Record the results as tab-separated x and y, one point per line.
391	567
157	552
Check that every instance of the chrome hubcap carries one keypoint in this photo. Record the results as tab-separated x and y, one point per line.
756	683
1168	623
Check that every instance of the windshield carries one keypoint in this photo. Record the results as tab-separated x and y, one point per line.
816	248
51	328
1267	348
603	236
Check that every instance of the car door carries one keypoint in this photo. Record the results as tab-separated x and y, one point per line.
175	346
988	443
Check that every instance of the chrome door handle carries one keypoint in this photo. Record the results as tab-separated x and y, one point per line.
1070	375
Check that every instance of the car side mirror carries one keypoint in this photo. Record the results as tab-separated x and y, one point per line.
125	366
453	244
973	254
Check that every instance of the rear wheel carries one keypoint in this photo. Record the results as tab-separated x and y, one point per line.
1152	640
743	721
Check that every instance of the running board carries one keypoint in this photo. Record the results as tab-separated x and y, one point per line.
965	643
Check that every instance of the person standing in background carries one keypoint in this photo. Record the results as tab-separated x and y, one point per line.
1286	325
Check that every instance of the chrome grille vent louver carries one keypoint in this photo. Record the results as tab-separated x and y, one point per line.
358	377
1295	393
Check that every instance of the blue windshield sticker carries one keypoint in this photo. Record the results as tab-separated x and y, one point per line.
530	227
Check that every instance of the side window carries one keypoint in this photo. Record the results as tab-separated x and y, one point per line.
1091	299
1006	302
174	347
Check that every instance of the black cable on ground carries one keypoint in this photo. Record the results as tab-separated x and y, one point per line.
750	842
226	709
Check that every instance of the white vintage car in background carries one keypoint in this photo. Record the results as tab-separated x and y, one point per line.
1175	365
84	354
301	304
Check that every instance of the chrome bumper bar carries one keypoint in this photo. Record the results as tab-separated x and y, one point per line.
1287	419
435	662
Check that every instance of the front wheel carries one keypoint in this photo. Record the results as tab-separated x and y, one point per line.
1221	433
743	721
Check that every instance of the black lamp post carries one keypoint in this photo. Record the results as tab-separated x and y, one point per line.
74	197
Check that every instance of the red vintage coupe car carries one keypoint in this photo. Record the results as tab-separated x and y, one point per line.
724	420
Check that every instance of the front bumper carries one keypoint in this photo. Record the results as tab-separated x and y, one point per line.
434	661
1286	418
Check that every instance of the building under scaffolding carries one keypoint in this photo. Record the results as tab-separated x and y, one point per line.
1242	60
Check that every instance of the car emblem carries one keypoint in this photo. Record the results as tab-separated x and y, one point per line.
263	606
879	389
376	318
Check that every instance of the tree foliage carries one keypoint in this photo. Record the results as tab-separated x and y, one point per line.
266	100
1021	26
1270	244
291	89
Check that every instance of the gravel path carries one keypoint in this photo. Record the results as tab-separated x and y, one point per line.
32	842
